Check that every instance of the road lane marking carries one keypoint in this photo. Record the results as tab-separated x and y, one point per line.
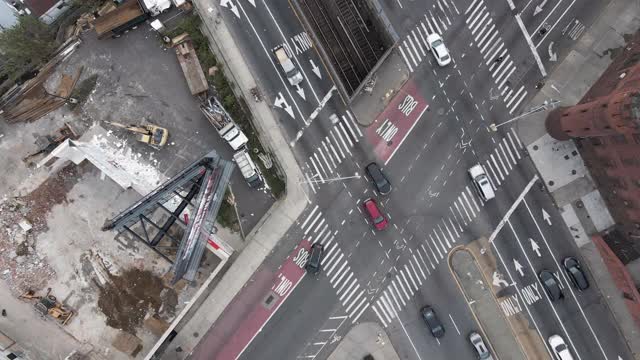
304	224
391	288
427	255
424	276
404	57
360	313
406	268
328	272
515	149
496	165
337	130
346	134
564	276
408	337
382	320
454	324
444	248
446	239
459	199
506	159
473	198
436	247
338	272
345	283
355	300
404	289
346	300
353	133
349	290
512	208
455	203
549	302
454	228
418	42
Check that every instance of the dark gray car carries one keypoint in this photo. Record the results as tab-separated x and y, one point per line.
574	270
551	284
433	322
315	258
380	181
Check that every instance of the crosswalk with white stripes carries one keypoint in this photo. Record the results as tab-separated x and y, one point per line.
335	265
333	149
437	243
414	47
495	55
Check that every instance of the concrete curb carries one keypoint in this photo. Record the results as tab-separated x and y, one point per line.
274	224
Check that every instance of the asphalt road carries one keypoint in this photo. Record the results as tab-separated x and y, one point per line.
437	127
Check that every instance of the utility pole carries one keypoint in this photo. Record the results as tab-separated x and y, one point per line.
546	105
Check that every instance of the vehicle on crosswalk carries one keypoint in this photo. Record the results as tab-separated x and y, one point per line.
433	322
313	265
576	275
551	284
380	181
480	347
439	50
560	348
371	207
481	182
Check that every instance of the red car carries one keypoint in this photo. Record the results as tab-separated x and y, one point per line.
372	209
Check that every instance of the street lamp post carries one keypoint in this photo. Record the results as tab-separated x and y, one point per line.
546	105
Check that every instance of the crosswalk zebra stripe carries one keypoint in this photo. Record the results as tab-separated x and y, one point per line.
335	128
405	59
355	300
496	166
515	106
413	281
348	290
413	59
346	300
415	50
353	121
489	42
334	264
424	276
345	283
382	320
338	272
413	32
337	145
353	133
515	149
355	319
346	135
494	174
470	6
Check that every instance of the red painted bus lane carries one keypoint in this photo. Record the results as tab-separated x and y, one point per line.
241	322
394	124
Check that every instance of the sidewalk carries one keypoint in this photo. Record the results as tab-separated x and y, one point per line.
362	340
274	223
559	162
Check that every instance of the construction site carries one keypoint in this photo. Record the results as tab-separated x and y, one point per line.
113	186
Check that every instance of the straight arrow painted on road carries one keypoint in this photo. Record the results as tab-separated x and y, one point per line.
518	267
535	247
546	217
538	8
316	69
231	6
300	91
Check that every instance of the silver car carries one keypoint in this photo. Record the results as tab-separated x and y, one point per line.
478	344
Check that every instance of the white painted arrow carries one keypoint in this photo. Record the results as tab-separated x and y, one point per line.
498	280
535	247
231	6
546	217
281	102
552	56
252	2
316	69
300	91
539	7
518	267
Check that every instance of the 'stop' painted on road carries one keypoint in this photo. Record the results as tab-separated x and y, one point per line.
394	124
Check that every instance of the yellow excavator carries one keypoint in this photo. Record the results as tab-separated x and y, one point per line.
49	305
149	134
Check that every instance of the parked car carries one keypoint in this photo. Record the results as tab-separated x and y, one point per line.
551	284
433	322
372	209
478	344
560	348
382	184
481	182
439	50
315	258
574	270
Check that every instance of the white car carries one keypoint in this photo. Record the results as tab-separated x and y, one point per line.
560	349
481	182
438	49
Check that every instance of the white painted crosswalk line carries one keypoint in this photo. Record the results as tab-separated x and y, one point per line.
445	237
471	6
326	162
414	49
506	172
473	199
353	133
338	281
490	176
337	145
387	301
413	59
426	253
346	300
478	24
328	258
333	265
355	301
506	88
345	283
493	174
503	67
454	227
413	32
404	57
413	281
346	148
359	313
464	208
515	96
434	246
453	4
455	217
326	150
515	149
338	272
307	229
309	217
506	158
474	12
322	221
426	33
377	312
460	212
495	163
486	31
444	248
431	29
354	285
389	312
326	244
335	153
346	134
464	196
306	175
401	285
318	175
323	233
435	23
354	123
515	106
393	283
517	138
506	78
491	54
415	259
